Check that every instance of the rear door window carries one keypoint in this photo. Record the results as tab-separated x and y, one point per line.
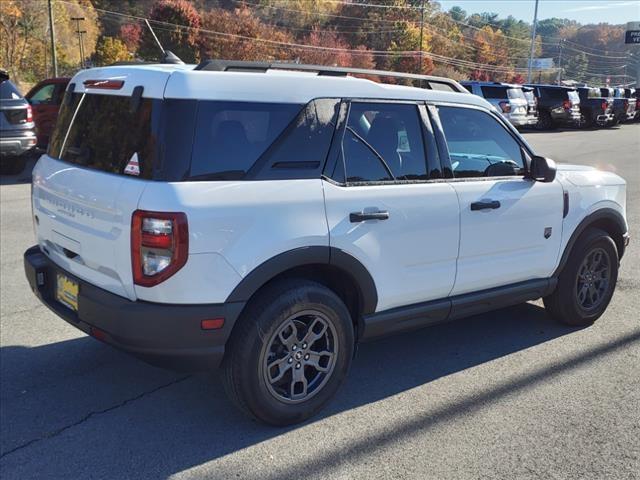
383	142
231	136
554	93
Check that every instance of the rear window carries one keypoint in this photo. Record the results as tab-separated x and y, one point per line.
528	94
554	93
231	136
8	91
107	133
494	92
515	93
573	96
594	93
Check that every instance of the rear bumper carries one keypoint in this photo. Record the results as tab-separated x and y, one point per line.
165	335
13	146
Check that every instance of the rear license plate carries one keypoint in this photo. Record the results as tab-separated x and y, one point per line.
67	291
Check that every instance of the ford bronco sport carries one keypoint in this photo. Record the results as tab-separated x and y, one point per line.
266	218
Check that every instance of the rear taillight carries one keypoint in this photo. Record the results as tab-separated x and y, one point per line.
604	105
638	104
159	246
566	104
505	107
625	104
29	114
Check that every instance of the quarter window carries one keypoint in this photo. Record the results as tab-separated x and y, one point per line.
383	142
479	146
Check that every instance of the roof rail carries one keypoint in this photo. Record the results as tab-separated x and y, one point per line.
426	81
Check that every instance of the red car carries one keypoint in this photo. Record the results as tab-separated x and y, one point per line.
45	99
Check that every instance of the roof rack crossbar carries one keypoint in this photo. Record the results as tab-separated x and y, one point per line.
246	66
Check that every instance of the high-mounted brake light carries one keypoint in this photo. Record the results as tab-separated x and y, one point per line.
505	107
29	114
104	84
159	246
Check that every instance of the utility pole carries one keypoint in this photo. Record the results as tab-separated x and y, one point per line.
560	45
54	58
80	42
421	33
533	41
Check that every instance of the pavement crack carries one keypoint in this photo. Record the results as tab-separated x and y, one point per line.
89	415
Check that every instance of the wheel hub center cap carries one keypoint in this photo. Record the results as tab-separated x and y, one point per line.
298	356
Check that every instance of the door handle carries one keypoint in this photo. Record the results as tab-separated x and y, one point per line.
489	204
357	217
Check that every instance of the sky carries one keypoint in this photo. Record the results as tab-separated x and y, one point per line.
583	11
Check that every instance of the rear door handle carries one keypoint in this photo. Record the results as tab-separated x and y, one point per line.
489	204
357	217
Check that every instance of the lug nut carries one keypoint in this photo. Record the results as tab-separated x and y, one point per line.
304	345
298	365
306	357
290	360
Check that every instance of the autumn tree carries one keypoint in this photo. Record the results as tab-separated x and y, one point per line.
177	24
131	35
242	36
110	50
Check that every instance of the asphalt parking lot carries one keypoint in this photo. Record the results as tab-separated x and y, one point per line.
505	395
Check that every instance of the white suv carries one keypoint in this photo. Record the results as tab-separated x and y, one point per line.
266	218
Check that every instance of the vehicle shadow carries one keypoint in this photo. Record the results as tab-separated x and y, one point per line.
570	129
22	177
95	404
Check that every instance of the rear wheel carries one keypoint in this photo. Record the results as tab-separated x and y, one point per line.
587	282
289	352
545	121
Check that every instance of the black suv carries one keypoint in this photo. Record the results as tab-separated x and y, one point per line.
595	109
17	130
557	106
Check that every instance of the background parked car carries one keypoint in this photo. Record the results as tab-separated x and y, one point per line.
630	94
17	129
532	101
620	104
45	99
595	109
507	98
557	106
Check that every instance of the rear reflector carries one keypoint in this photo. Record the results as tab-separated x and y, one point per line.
212	324
98	334
104	84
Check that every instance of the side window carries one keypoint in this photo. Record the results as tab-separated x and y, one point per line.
479	146
305	144
231	136
383	141
44	95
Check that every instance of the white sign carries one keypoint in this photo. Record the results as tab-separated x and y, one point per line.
542	63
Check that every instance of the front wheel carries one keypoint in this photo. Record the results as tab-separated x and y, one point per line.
587	282
289	352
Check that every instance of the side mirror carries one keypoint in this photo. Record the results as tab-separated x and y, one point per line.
542	169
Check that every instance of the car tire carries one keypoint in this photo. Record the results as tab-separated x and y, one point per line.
289	352
545	122
587	282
